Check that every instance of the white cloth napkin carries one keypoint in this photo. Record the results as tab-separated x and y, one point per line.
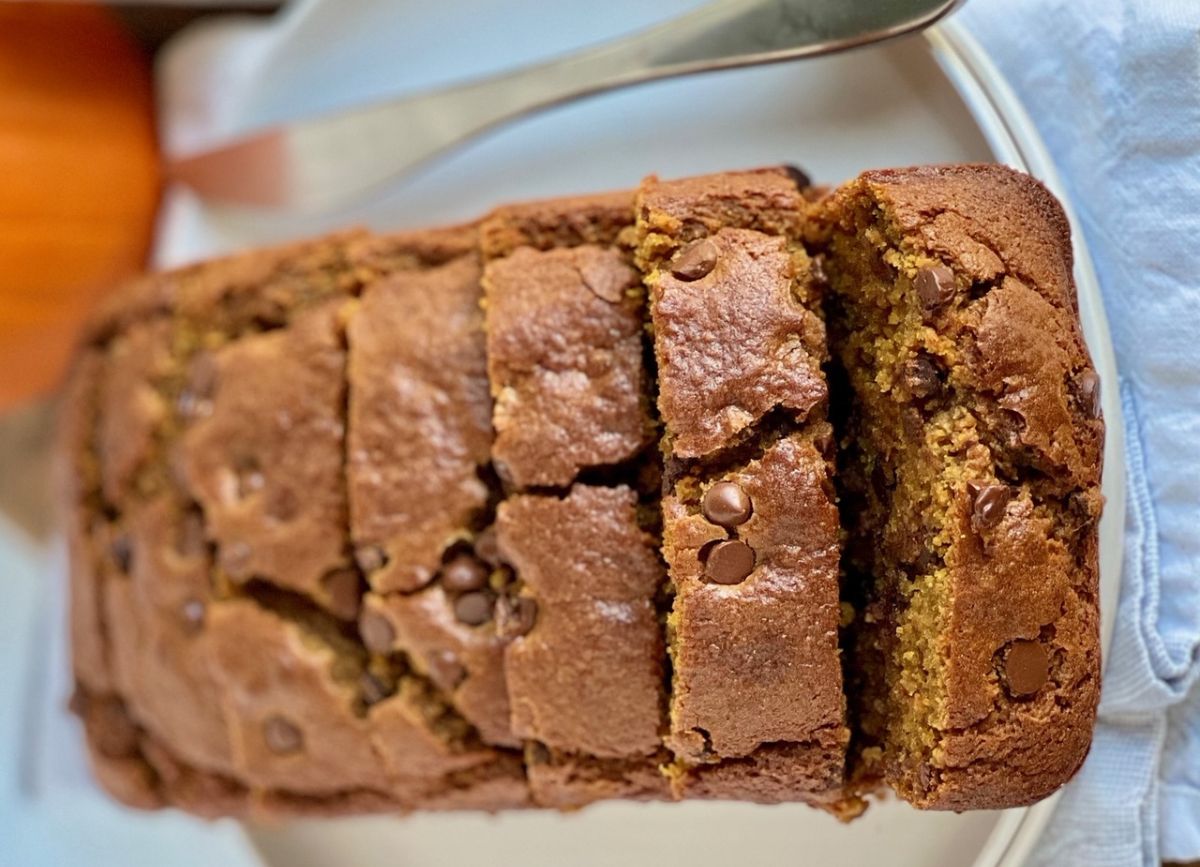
1114	88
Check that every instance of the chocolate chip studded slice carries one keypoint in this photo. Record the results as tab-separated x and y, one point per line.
281	736
474	608
1026	667
464	573
726	505
695	260
729	562
515	617
935	287
988	504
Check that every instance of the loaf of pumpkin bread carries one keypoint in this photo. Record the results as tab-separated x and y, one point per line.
715	488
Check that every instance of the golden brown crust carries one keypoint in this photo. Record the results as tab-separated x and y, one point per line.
597	220
587	678
564	346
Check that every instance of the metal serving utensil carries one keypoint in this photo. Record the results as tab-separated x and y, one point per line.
321	163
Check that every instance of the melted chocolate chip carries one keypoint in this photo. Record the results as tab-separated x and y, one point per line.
445	670
1026	667
372	689
235	557
819	276
515	616
1087	389
344	593
195	399
921	376
192	614
249	476
487	548
376	631
464	573
371	558
825	445
121	550
798	176
987	504
474	608
281	736
695	260
935	287
726	504
189	539
729	562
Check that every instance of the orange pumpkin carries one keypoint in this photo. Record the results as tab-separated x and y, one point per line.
79	179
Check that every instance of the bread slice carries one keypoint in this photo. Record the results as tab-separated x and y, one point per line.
971	470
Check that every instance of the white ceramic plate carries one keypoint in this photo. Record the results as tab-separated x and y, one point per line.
930	99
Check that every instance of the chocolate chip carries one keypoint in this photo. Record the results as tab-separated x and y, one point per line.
926	776
726	504
283	504
445	670
110	728
515	616
921	376
192	612
121	550
190	540
235	558
372	689
819	275
798	175
344	592
282	737
250	479
195	399
487	548
464	573
474	608
729	562
376	631
371	558
1087	389
1026	667
935	287
695	260
987	504
825	444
